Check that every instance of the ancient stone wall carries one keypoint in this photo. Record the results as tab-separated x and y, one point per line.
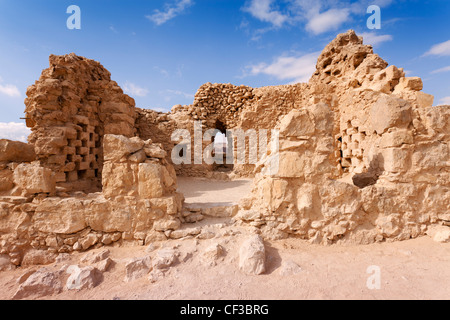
138	204
223	107
69	109
380	169
364	157
15	155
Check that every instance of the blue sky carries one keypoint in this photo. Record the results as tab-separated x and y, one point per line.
161	51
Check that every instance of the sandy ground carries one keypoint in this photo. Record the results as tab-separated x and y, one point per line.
212	193
415	269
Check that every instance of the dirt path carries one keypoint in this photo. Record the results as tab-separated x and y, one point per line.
213	192
415	269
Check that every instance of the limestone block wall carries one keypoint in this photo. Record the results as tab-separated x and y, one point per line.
20	174
223	107
384	170
364	157
134	167
69	109
139	204
406	192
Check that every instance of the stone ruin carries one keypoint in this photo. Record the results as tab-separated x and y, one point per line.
363	158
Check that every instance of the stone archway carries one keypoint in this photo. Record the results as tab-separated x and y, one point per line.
221	148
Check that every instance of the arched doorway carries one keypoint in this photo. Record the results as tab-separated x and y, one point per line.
221	148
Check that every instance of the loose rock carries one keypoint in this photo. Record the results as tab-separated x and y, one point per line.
252	256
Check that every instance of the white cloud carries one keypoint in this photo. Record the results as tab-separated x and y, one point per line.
445	69
327	21
441	49
9	89
264	11
445	101
181	93
170	12
164	72
374	40
317	16
134	90
14	131
292	68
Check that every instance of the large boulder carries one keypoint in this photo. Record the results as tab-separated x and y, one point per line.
389	112
16	151
252	256
32	178
40	284
116	148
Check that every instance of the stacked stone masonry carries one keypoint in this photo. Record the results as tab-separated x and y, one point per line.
363	157
69	109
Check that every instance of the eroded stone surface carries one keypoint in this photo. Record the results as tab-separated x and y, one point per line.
363	158
252	256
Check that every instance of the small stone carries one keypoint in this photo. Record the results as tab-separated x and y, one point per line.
104	265
165	258
116	236
166	225
439	233
289	268
77	246
94	257
155	275
5	263
107	239
88	241
182	233
212	254
206	235
70	241
83	278
137	268
25	276
193	218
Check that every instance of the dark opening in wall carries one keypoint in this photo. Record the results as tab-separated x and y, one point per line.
221	148
369	178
